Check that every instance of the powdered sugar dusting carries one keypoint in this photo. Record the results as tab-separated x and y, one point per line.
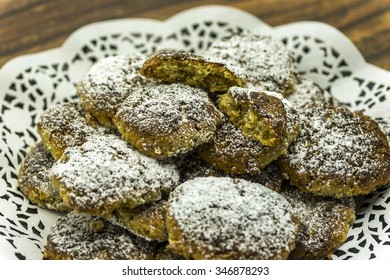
324	221
109	82
66	122
176	112
266	61
164	108
106	173
65	125
80	236
223	215
308	93
34	178
338	149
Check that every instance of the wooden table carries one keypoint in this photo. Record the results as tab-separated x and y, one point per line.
28	26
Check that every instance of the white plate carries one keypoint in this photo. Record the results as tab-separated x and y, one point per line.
29	84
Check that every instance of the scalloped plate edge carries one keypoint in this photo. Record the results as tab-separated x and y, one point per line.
331	34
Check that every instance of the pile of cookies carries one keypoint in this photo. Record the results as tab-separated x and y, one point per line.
226	155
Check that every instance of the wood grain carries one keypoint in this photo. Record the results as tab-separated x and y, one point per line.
29	26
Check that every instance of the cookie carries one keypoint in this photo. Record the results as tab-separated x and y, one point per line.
324	222
193	166
261	115
231	151
225	218
193	70
83	237
308	94
265	61
65	125
34	179
146	221
164	121
337	153
108	83
105	174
